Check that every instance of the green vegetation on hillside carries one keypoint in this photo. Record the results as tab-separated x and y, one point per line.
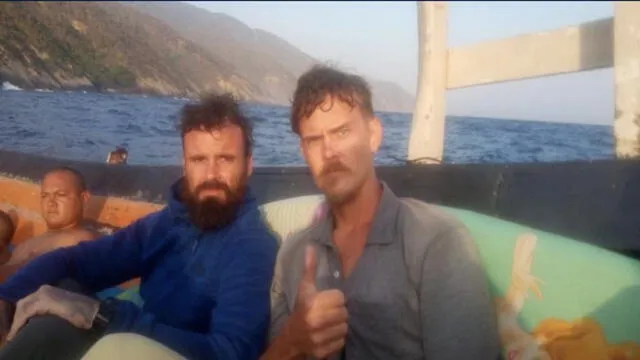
265	59
46	41
106	45
167	48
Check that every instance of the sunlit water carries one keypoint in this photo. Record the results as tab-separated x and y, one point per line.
86	126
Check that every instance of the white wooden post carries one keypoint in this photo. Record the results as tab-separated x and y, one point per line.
626	64
426	140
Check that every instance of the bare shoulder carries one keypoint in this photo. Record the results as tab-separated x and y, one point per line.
73	236
86	234
25	250
49	241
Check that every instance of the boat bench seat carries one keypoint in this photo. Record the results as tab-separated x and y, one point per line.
579	299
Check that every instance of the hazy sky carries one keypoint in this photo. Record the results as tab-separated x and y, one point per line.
379	39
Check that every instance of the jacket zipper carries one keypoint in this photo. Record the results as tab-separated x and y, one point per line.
194	248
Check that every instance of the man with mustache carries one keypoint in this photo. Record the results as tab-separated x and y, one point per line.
205	262
379	277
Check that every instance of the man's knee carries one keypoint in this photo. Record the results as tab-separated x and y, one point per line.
48	337
127	346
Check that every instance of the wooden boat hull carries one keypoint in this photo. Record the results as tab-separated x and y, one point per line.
577	295
593	201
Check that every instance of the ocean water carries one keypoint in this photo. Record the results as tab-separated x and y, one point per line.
86	126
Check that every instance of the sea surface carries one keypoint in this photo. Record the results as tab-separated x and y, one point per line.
86	126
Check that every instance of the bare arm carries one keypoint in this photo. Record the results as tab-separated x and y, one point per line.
47	242
73	237
6	317
9	269
39	245
282	348
23	251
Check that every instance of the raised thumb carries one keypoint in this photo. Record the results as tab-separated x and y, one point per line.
308	281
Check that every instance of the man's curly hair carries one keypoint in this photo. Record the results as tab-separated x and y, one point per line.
214	112
323	81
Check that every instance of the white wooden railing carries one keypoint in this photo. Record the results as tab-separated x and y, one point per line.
612	42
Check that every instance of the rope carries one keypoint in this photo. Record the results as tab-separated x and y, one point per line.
423	160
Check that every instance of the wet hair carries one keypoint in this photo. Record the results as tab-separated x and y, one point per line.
7	228
80	181
322	81
214	112
118	156
120	151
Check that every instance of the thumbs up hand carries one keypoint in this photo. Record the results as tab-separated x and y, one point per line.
319	322
307	289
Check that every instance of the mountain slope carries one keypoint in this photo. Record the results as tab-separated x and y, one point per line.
107	46
268	61
229	39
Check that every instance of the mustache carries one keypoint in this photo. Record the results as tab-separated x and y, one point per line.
212	185
334	167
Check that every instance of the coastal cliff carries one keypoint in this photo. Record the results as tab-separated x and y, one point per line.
172	49
267	60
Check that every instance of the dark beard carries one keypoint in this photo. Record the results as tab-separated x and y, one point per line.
212	213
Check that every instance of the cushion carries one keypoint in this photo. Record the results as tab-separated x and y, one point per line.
557	296
288	216
129	346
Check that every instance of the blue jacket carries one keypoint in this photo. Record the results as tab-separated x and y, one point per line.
206	294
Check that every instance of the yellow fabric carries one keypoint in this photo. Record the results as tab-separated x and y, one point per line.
581	340
625	351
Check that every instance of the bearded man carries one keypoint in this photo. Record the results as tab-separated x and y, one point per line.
205	262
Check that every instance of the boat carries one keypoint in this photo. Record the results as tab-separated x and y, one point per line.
566	232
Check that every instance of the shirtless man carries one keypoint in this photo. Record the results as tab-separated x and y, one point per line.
63	195
379	277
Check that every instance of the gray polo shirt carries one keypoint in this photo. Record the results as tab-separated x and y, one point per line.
418	291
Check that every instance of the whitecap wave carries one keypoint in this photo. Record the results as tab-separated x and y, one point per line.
7	86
